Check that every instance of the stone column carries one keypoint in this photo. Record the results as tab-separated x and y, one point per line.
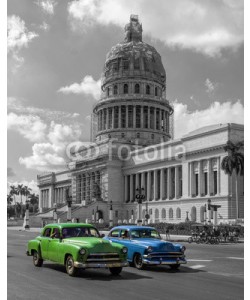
155	185
119	117
126	188
176	182
40	200
218	176
136	180
134	116
131	188
210	177
154	118
126	116
107	119
191	171
148	117
142	115
162	185
148	186
200	178
113	117
143	180
169	183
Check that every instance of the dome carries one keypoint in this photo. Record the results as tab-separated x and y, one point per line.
133	57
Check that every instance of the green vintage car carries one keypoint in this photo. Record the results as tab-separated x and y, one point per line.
76	245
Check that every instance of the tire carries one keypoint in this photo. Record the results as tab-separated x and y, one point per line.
37	260
175	267
190	240
115	271
69	265
138	262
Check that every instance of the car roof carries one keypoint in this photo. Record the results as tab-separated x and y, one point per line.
129	227
68	225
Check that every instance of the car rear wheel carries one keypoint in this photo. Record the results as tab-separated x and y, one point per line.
115	271
175	267
37	260
70	268
138	262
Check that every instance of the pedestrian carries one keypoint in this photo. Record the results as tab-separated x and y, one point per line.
167	233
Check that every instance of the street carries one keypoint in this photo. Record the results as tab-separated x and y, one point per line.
213	272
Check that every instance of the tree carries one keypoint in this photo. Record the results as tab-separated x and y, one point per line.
33	200
26	191
13	193
9	199
234	163
21	191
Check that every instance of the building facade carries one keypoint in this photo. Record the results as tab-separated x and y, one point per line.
134	151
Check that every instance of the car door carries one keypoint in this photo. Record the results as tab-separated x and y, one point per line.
44	240
53	245
114	235
124	239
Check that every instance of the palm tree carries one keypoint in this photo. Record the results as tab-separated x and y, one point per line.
26	191
33	200
13	192
234	162
20	191
9	199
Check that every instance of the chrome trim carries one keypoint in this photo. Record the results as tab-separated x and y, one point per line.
104	253
103	259
100	265
149	262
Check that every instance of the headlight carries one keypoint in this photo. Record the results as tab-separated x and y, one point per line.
82	251
124	250
150	249
183	249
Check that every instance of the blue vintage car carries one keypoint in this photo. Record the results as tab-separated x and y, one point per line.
145	247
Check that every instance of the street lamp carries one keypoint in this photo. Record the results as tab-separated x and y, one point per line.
26	224
147	216
55	213
69	202
140	196
111	216
187	219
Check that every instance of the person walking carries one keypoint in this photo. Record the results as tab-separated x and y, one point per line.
167	233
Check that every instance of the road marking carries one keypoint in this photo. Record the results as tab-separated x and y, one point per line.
236	257
199	260
197	266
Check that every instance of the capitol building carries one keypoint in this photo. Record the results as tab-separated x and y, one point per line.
133	152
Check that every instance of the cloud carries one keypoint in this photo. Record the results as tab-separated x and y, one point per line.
31	127
211	87
10	172
186	121
44	26
88	86
203	26
20	106
47	6
18	37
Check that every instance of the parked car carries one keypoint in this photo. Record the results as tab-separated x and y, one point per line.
77	245
145	247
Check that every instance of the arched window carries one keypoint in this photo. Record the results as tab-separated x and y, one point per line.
156	91
163	213
171	213
178	213
108	91
137	88
115	89
147	89
156	215
125	89
193	214
202	213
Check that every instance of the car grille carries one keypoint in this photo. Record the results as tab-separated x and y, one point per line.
103	257
166	254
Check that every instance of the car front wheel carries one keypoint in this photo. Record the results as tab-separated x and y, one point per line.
37	260
115	271
70	268
138	262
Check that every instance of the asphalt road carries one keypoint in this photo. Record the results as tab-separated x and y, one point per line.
213	272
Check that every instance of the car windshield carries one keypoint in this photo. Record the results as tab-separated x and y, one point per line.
145	233
69	232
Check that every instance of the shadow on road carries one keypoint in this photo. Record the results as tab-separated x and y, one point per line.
166	269
98	274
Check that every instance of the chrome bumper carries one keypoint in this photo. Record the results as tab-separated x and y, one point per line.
78	264
149	261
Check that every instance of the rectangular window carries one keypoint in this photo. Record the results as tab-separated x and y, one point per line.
130	116
215	183
145	117
138	116
205	183
151	118
123	116
158	184
157	119
180	181
125	64
116	116
196	184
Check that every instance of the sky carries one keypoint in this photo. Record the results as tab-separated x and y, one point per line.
56	53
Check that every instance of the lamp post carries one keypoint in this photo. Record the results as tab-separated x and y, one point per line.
69	202
111	216
55	214
139	197
146	214
209	211
187	219
26	224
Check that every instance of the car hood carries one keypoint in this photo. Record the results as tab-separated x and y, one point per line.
156	244
93	243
